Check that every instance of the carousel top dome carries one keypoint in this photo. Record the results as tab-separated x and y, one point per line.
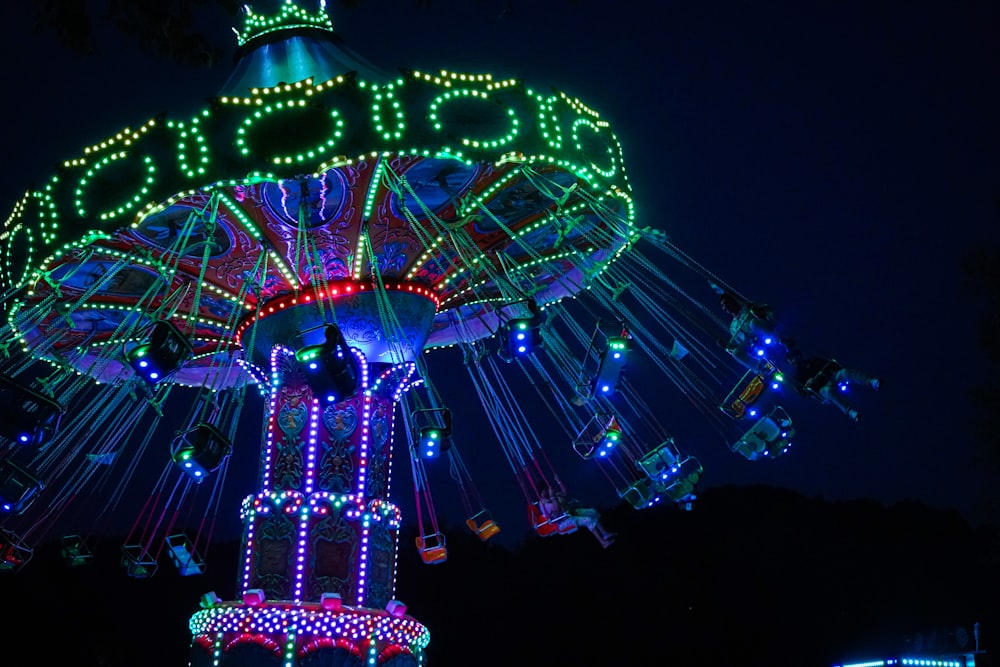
292	44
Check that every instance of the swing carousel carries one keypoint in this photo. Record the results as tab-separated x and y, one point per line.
307	247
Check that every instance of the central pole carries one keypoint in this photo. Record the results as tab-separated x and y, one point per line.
320	536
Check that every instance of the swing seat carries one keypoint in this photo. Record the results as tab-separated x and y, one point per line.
14	553
432	548
640	494
825	375
746	392
521	335
585	447
683	481
161	355
331	367
138	562
31	418
201	450
432	428
609	439
183	556
541	525
611	365
75	551
769	437
18	488
660	462
599	436
483	525
521	338
546	527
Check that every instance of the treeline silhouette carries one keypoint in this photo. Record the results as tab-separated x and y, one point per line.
752	576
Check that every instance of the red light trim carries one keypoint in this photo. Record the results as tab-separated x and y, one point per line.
342	289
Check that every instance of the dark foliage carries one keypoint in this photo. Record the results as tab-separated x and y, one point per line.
752	576
981	269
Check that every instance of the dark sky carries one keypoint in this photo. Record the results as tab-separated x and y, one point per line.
835	160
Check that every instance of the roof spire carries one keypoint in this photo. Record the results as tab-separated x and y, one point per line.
288	15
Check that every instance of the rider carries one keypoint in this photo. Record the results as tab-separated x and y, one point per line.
826	380
555	505
752	323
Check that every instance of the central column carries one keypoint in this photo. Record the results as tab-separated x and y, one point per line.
321	522
317	581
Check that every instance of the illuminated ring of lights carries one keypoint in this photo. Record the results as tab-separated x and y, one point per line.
474	143
216	324
606	173
384	508
262	24
321	502
546	115
261	640
342	289
194	130
383	95
381	518
310	619
45	201
101	164
9	265
309	155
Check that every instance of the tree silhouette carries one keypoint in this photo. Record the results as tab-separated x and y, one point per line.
172	29
981	268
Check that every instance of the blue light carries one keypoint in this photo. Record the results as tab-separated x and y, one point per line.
760	353
24	437
522	349
143	363
154	375
767	341
6	507
313	365
330	398
520	335
753	413
617	355
605	388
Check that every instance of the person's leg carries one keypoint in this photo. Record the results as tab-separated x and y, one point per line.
831	392
859	377
586	519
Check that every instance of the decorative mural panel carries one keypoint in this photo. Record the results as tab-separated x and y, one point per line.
332	551
274	563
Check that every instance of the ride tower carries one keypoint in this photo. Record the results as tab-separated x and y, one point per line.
322	231
312	232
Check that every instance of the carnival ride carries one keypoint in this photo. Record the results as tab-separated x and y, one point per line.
319	234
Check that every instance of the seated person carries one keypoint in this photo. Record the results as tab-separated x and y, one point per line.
822	379
751	323
555	506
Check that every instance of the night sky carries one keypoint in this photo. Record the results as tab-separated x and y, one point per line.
836	160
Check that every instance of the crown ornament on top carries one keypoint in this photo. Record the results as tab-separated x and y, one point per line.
290	15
